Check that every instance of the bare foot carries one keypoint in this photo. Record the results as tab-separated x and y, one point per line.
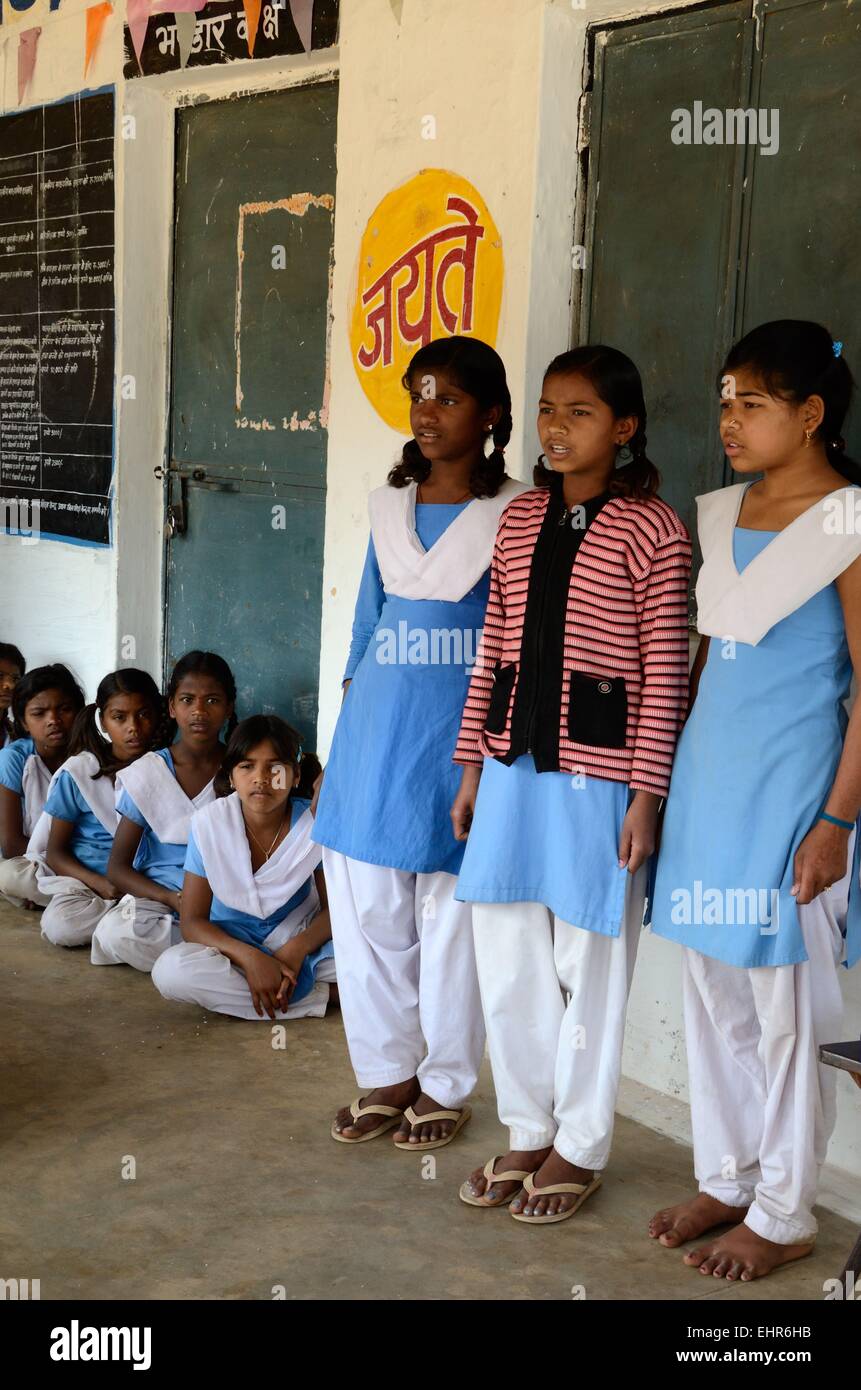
675	1225
554	1169
496	1194
399	1096
424	1134
742	1254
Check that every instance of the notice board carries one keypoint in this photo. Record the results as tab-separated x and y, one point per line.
57	317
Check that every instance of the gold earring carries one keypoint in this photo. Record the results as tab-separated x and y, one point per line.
808	435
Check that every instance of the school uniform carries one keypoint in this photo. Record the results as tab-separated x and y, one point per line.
137	930
755	766
390	856
576	704
266	908
24	773
75	794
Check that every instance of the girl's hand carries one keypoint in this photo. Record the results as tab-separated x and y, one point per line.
175	901
316	797
639	828
463	806
820	860
265	977
292	955
105	888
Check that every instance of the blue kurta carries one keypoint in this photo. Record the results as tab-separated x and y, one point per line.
390	781
161	862
254	930
13	760
90	843
547	837
753	769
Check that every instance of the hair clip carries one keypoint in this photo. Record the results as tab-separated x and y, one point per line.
300	753
837	348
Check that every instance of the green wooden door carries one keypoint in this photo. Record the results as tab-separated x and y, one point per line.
690	245
255	183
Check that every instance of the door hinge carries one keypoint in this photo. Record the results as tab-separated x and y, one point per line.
584	122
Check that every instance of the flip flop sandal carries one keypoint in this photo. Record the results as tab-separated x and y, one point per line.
514	1175
460	1116
582	1189
392	1114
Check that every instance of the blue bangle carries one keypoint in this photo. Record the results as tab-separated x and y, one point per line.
835	820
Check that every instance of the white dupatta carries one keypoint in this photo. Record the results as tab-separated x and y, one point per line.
455	563
160	799
219	830
797	563
35	781
99	796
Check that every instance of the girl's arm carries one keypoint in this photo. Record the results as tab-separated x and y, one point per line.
369	606
127	878
13	841
467	751
264	974
821	858
697	670
315	935
60	858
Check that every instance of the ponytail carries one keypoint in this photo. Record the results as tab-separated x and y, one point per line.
85	738
310	768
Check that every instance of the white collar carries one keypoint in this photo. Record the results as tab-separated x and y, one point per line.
799	561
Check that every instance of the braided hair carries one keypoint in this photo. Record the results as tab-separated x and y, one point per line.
478	370
618	384
796	359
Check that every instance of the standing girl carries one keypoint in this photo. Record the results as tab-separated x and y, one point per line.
760	831
44	706
567	742
73	839
255	922
156	798
405	961
12	667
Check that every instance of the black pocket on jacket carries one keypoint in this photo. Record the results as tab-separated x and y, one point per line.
500	698
597	710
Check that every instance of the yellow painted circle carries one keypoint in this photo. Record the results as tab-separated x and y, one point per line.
430	265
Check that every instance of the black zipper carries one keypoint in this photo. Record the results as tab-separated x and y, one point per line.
541	611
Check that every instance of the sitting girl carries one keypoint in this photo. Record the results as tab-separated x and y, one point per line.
12	667
157	796
44	706
254	917
73	838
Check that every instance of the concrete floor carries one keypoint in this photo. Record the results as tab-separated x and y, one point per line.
239	1188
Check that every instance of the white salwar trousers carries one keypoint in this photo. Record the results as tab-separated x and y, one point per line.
406	977
554	997
18	882
762	1105
73	912
135	932
190	973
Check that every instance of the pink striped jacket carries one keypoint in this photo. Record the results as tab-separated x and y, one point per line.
625	643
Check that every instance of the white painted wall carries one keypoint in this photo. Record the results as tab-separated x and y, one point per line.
503	79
